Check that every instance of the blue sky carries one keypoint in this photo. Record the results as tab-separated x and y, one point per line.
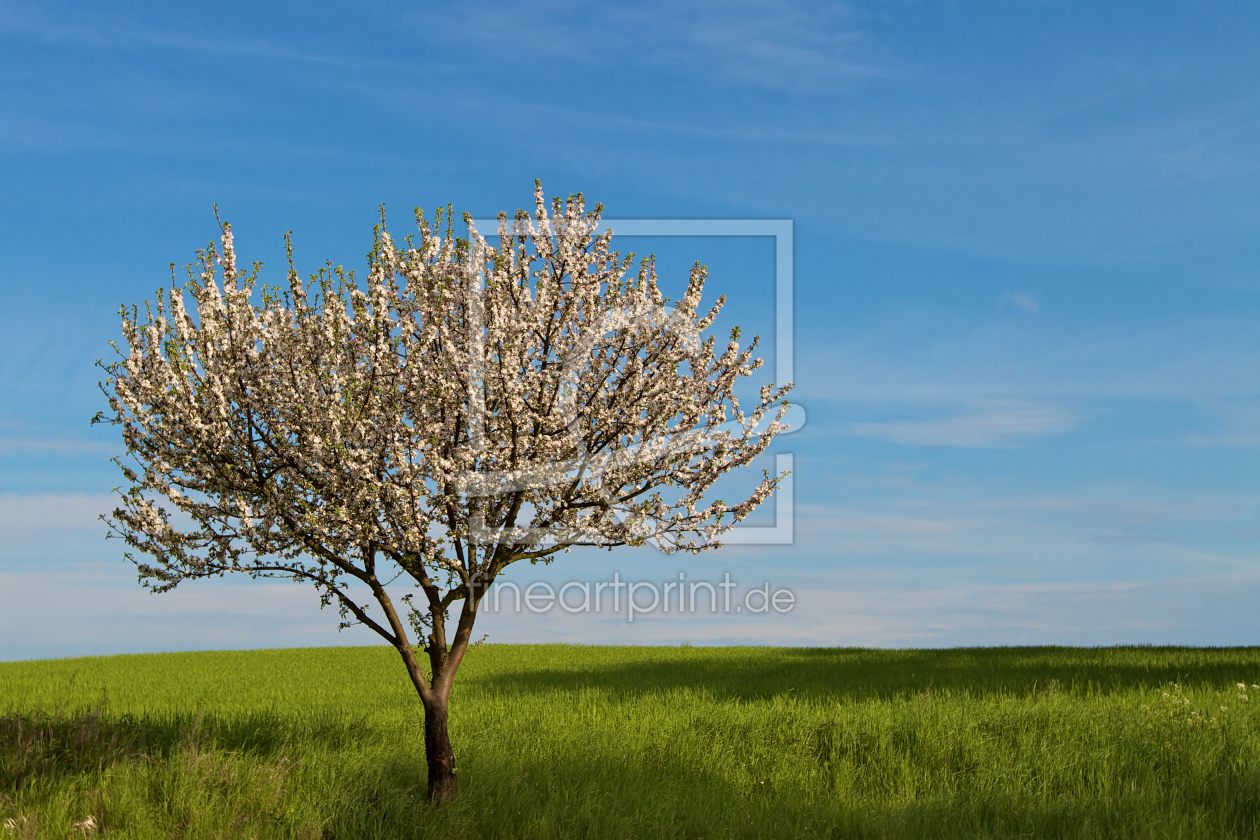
1027	238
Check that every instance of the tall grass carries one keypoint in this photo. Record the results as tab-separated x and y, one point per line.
601	742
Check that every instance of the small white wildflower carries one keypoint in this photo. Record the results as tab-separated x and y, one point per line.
1222	708
1242	686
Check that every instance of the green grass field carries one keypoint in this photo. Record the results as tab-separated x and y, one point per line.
599	742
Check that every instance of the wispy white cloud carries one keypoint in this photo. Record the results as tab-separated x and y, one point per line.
53	511
796	47
1239	438
952	361
809	48
53	516
16	444
1236	423
97	609
1122	511
1210	142
1197	610
110	29
982	427
1022	300
947	534
782	46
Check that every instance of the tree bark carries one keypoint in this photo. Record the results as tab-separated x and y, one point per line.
438	753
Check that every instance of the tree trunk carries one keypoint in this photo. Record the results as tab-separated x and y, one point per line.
438	753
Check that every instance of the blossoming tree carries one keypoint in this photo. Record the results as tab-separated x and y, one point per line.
465	408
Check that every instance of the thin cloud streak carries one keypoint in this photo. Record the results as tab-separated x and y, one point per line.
1022	300
927	534
53	515
98	609
779	47
997	427
1201	360
107	30
62	445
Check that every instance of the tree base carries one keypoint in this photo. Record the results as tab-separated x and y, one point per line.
442	788
439	755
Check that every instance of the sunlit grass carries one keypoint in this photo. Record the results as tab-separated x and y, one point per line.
600	742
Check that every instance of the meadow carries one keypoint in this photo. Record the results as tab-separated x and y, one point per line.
557	741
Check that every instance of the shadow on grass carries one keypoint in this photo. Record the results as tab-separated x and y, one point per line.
859	674
195	775
39	746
